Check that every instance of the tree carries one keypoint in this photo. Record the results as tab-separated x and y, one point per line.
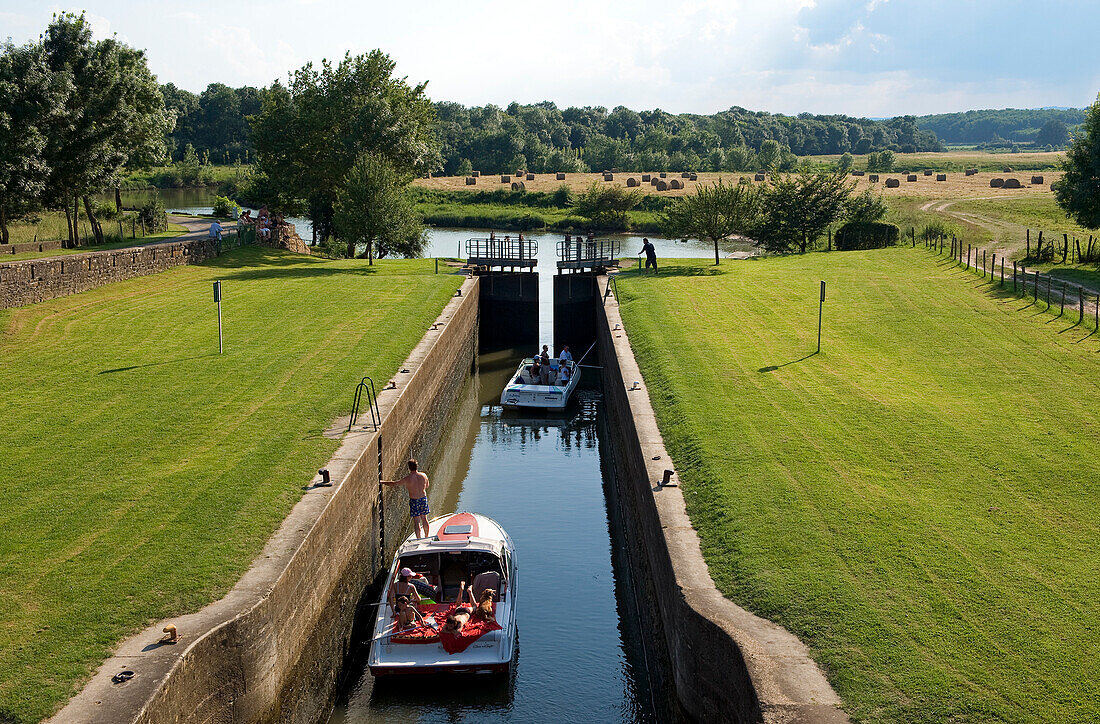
605	207
844	163
797	209
309	135
1078	193
713	213
113	113
881	161
29	99
1053	133
373	208
866	207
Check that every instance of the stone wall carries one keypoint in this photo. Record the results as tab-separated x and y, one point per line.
36	280
722	662
29	246
272	648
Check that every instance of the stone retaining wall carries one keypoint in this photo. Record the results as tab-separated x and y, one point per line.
36	280
28	246
724	663
272	648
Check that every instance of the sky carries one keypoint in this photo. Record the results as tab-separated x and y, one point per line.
874	58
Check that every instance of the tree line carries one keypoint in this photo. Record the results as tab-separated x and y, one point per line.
1039	127
73	113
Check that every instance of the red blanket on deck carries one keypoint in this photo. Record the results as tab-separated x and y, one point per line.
474	629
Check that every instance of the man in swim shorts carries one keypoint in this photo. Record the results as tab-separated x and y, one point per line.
416	483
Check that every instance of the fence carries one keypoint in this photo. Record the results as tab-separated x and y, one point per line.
1024	282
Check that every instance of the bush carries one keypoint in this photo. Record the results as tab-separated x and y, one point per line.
225	207
152	214
937	229
864	235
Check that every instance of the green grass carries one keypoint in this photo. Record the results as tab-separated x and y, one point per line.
918	502
141	472
174	230
1033	212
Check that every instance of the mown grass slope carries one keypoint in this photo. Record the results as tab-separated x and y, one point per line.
918	502
140	471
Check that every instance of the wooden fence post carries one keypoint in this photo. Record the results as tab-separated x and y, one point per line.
1049	281
1002	271
1036	298
968	256
1080	304
1014	276
1062	309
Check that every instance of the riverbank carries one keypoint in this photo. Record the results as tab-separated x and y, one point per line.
143	471
826	488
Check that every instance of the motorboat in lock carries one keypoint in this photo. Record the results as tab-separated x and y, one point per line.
525	391
463	548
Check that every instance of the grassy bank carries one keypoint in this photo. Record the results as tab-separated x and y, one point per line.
918	502
141	471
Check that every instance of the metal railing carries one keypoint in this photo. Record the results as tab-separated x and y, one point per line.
588	252
366	385
501	251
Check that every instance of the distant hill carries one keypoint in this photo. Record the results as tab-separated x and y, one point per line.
1013	125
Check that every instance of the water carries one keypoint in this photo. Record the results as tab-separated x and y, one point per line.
543	479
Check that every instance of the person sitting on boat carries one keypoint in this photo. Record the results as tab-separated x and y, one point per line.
409	584
535	370
407	613
563	375
565	355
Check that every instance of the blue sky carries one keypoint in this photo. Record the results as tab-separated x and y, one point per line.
866	57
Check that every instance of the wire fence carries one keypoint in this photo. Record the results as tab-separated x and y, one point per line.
1070	297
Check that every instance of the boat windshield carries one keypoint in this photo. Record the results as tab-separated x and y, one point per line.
444	572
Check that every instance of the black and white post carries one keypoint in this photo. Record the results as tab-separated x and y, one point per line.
218	299
820	307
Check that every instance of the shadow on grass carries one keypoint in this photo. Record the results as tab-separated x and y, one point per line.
773	368
261	262
158	364
675	271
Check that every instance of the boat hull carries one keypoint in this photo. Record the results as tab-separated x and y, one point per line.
517	394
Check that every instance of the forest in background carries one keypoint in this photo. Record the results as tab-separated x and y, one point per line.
1035	127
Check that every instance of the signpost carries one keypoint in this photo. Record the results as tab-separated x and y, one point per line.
218	299
820	306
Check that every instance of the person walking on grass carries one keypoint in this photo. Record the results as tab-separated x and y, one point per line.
416	483
650	254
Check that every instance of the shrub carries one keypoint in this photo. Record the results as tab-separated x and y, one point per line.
225	207
866	235
152	214
937	229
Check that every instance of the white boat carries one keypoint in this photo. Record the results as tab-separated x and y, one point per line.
523	391
463	547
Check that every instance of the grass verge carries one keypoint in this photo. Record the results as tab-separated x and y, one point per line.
141	471
174	230
917	502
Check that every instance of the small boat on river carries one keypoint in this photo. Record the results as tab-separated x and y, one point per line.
551	392
464	548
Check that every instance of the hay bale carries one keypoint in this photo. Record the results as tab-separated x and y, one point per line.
1013	183
941	177
530	177
693	177
1036	180
560	177
646	177
662	186
664	174
858	173
632	182
675	184
471	180
892	183
685	174
927	172
609	177
758	177
475	174
911	177
873	178
971	171
996	183
654	181
515	186
1007	169
505	179
614	170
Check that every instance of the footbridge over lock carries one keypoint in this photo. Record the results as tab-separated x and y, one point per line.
511	287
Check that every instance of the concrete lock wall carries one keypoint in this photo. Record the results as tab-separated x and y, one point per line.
272	648
722	662
509	309
36	280
575	302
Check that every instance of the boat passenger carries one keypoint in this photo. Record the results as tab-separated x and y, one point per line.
404	585
407	615
535	371
545	355
565	355
458	618
563	375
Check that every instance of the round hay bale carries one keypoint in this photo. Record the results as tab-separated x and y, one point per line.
1036	179
1013	183
560	177
892	183
758	177
632	182
927	172
941	177
971	171
654	181
471	180
858	173
996	183
530	177
662	186
675	184
873	178
646	177
685	174
1007	169
664	174
911	177
475	174
520	172
693	177
609	177
515	186
505	179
